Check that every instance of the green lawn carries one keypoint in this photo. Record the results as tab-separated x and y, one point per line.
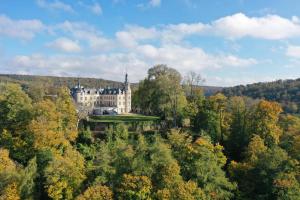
122	118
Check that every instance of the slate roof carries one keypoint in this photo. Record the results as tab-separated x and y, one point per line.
101	91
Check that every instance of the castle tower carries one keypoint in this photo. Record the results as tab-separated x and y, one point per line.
77	93
127	95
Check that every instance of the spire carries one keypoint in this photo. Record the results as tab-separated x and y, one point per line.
78	83
126	78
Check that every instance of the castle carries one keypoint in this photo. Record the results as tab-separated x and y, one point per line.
103	100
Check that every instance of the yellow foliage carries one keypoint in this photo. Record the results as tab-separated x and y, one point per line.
255	147
135	187
97	192
204	143
65	174
10	192
181	191
266	117
67	114
6	164
45	126
163	194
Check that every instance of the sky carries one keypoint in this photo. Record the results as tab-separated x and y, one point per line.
228	42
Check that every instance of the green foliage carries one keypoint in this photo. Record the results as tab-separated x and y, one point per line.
238	138
202	162
28	184
135	188
161	94
286	92
64	175
271	175
290	139
15	115
43	155
15	108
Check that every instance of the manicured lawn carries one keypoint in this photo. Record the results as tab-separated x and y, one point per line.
122	118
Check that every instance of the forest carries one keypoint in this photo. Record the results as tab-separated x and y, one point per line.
286	92
207	147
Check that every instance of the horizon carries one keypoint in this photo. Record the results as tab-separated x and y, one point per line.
99	78
229	44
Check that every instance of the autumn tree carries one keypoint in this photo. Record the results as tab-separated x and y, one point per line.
46	127
290	139
9	177
202	162
96	192
67	114
264	122
65	174
135	187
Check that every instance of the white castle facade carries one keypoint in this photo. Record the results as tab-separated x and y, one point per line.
104	100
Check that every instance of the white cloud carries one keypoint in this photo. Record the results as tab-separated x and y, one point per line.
23	29
154	3
149	4
293	51
138	48
55	5
132	35
137	61
105	66
272	27
86	33
187	59
96	9
65	45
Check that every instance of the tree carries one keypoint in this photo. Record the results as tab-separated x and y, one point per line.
192	83
290	139
67	114
161	94
9	177
10	192
28	184
135	188
46	127
65	174
96	192
265	122
15	108
213	118
270	174
202	162
239	136
15	115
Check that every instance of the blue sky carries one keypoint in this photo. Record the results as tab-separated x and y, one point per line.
229	42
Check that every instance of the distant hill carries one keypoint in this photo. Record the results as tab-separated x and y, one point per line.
286	92
54	81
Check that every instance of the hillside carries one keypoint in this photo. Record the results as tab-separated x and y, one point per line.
287	92
55	81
